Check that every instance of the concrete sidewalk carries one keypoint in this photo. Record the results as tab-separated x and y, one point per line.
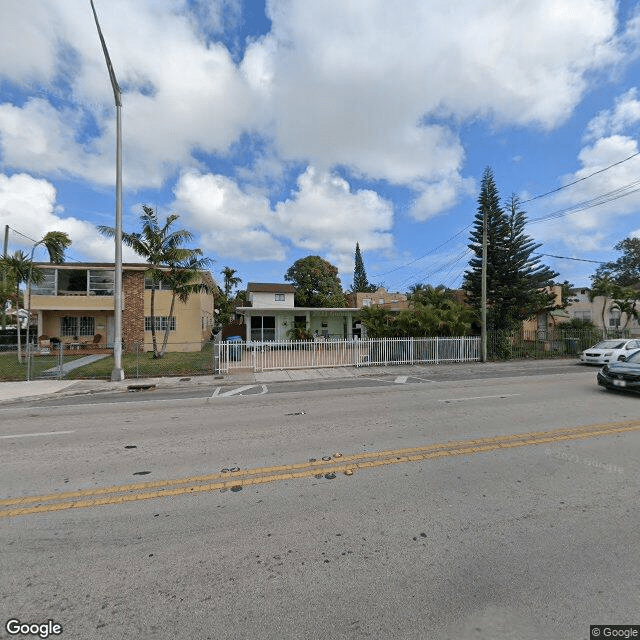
40	389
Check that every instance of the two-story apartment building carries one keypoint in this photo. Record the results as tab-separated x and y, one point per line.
75	303
601	312
394	301
272	314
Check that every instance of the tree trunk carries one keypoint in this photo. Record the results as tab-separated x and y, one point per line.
153	321
167	329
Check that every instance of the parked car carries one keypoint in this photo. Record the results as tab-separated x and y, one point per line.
609	351
621	376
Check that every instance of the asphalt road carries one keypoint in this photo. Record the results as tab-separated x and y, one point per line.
450	525
422	375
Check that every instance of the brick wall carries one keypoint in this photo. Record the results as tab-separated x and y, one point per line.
133	312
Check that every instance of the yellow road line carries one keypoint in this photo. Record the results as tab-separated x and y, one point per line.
260	475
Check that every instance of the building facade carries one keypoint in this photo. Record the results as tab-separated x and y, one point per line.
75	303
272	315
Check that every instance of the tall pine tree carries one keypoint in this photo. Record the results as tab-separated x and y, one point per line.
360	282
516	280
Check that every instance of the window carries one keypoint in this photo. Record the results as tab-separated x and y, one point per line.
75	326
161	323
582	315
159	286
279	297
48	285
72	281
101	282
366	302
263	328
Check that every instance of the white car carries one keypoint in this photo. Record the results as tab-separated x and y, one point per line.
609	351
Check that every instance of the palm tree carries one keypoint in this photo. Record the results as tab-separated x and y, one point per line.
606	287
160	246
230	280
19	269
625	302
184	279
56	242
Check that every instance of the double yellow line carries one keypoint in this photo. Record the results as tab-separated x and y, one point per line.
337	463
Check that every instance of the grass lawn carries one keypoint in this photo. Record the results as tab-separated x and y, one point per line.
12	370
143	365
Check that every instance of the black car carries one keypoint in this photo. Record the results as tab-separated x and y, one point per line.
624	375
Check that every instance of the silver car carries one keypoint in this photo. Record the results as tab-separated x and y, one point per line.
609	351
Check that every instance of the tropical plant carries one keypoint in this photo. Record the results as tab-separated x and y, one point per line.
427	294
230	280
161	247
625	271
606	287
56	243
184	279
625	302
20	269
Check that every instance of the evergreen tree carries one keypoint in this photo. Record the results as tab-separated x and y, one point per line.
516	280
360	282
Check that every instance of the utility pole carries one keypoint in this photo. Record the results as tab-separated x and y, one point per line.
483	303
117	373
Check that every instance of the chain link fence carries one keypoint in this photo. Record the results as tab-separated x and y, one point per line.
548	343
206	358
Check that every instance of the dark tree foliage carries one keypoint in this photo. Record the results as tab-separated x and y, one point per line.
360	281
317	283
625	271
516	280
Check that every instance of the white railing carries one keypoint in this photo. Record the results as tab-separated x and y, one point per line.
265	356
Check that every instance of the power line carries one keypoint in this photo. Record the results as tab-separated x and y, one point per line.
376	275
577	208
33	241
603	198
570	184
550	255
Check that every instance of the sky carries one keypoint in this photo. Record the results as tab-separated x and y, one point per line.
288	128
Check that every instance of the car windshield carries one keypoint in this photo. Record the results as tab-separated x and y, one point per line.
609	344
634	357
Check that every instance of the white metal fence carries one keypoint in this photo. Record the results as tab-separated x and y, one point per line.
265	356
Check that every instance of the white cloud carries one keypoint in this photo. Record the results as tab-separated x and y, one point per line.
369	85
625	113
439	196
231	223
180	94
323	216
596	228
326	217
28	206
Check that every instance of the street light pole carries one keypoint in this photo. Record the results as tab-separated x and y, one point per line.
117	373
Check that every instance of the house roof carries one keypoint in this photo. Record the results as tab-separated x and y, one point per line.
270	287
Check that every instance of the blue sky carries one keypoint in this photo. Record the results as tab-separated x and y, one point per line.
294	127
